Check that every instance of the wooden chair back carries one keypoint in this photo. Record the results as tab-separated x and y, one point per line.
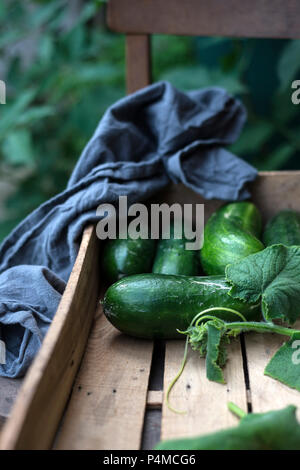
138	19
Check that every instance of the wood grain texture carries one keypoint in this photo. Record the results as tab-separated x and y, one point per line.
107	406
276	190
272	191
46	388
138	62
154	398
205	402
235	18
267	393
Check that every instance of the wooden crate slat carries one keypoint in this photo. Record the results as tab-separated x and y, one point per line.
154	398
234	18
46	387
266	393
107	406
204	401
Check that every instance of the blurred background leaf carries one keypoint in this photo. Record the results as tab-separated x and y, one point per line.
288	64
63	68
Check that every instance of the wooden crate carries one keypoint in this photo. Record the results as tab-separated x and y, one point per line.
89	386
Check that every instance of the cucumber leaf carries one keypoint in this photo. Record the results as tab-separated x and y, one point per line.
216	354
285	364
272	275
209	340
274	430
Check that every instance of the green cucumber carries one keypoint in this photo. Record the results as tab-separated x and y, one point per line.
283	228
125	257
230	234
172	257
156	305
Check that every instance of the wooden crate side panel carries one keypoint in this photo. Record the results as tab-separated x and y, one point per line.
271	192
233	18
107	406
276	190
46	388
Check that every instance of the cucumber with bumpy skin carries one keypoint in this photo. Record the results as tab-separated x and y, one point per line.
283	228
125	257
230	234
156	305
172	257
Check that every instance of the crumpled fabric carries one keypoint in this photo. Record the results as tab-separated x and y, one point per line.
143	142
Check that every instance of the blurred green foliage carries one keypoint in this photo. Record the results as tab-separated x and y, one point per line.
63	68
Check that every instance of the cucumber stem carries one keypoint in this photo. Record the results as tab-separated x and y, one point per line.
236	410
261	327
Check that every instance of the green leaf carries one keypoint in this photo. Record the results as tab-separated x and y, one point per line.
34	113
44	13
17	148
9	37
86	13
272	275
209	340
214	352
283	110
12	112
257	135
277	158
285	364
75	43
78	79
274	430
288	64
46	49
193	77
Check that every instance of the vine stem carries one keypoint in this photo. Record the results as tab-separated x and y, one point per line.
199	317
236	410
239	325
176	378
261	326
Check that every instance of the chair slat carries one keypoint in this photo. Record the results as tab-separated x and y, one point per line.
236	18
138	61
